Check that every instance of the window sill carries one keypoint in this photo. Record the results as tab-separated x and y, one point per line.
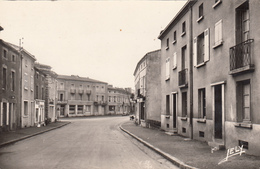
217	3
183	33
25	116
244	125
200	19
200	65
175	67
168	78
217	45
25	88
167	116
202	120
184	118
166	48
173	42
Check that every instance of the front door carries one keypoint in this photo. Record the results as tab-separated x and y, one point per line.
174	100
218	112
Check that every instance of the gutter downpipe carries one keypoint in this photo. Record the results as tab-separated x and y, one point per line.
191	72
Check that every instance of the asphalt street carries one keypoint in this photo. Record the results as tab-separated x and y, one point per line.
93	143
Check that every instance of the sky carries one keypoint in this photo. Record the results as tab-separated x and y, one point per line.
102	40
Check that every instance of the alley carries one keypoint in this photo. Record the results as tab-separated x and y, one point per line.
85	143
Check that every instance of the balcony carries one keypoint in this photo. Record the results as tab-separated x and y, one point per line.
102	103
183	78
241	58
88	91
73	91
81	91
62	102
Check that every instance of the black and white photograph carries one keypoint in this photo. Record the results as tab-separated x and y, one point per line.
129	84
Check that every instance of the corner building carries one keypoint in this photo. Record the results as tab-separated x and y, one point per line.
80	96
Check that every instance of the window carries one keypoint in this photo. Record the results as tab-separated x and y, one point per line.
174	60
109	98
183	28
42	93
88	108
25	107
88	97
174	37
111	108
218	34
13	81
4	87
102	98
5	54
200	12
37	92
13	58
81	86
242	23
184	104
184	64
80	109
201	48
62	86
114	98
71	109
167	44
72	86
167	104
217	2
167	69
243	101
202	103
61	97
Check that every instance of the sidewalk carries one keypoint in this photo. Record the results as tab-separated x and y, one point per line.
11	137
187	153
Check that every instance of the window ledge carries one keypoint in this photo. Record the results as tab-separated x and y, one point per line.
217	3
183	33
167	78
166	48
202	120
25	88
173	42
244	125
184	118
173	68
218	44
200	65
200	19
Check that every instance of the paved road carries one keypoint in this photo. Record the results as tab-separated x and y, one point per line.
85	143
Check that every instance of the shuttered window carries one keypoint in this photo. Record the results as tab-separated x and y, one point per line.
218	33
174	60
167	67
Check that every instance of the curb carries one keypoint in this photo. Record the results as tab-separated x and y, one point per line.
35	134
169	157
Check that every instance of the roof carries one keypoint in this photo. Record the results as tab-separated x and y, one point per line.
78	78
177	17
143	58
22	50
8	45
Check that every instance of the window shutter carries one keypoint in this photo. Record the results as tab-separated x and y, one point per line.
167	67
195	51
1	114
218	32
7	114
174	60
206	47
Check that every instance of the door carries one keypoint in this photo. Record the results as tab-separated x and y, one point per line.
174	106
218	112
62	110
4	114
142	110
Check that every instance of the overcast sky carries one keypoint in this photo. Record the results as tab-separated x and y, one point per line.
102	40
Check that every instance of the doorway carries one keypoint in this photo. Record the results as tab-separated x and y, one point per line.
174	107
218	111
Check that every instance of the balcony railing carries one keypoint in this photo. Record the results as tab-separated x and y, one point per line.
241	57
183	78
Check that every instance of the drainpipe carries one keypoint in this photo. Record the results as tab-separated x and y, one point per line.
191	72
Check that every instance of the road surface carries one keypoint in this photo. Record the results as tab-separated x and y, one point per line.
92	143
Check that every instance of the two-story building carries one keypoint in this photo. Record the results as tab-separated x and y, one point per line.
10	95
80	96
118	100
223	89
148	89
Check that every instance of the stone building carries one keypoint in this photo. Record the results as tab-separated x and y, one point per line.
10	95
148	89
80	96
118	100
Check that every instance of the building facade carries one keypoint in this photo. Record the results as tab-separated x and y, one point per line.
39	96
224	75
118	101
79	96
10	95
148	89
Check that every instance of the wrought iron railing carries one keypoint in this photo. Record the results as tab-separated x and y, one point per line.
240	55
183	74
